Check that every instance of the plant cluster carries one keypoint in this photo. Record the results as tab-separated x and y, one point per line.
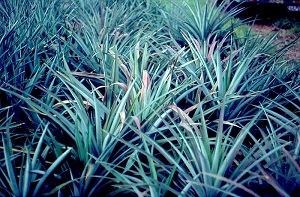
143	98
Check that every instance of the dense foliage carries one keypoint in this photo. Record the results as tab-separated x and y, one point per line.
143	98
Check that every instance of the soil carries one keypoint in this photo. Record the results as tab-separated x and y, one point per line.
271	19
283	38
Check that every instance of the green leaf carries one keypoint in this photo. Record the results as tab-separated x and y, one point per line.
50	170
10	169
